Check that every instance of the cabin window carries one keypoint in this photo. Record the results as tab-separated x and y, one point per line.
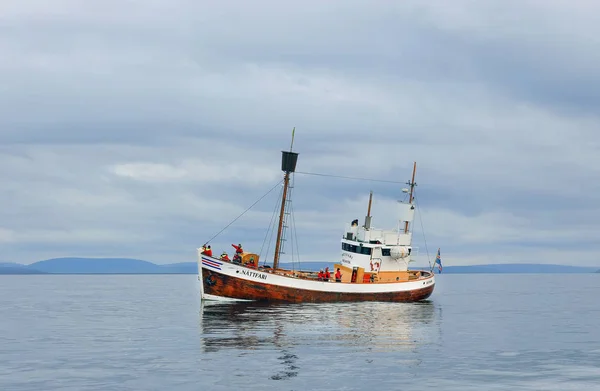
385	252
348	247
356	249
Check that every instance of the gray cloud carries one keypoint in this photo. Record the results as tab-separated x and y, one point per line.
142	129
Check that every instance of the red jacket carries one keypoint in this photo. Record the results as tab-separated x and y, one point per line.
338	275
238	249
207	251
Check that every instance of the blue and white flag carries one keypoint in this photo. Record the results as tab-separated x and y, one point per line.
438	260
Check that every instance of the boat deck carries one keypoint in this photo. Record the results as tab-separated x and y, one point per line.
348	275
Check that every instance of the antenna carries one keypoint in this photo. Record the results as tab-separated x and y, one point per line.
412	185
368	216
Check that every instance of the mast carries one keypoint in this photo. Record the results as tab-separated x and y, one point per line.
412	185
368	216
288	165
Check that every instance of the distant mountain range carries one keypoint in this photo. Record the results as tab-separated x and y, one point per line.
137	266
98	266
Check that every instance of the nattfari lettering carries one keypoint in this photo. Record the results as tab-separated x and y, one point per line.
254	274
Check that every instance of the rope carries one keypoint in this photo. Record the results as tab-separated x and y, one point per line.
277	204
271	226
244	212
268	247
423	231
286	227
292	227
289	213
295	235
348	177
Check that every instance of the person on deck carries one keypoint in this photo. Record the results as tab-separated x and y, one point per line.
237	258
238	249
327	274
225	257
338	275
207	251
321	275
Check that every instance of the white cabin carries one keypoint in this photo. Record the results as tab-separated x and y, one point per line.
377	250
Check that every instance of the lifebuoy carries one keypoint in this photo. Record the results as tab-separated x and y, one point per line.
211	280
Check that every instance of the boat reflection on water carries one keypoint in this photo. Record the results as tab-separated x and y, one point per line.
368	326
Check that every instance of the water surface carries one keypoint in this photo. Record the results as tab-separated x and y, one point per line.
150	332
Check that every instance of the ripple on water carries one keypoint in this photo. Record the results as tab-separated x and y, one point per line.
152	333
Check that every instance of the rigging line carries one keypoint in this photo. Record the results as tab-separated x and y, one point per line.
295	258
286	213
295	236
287	228
273	231
293	229
291	216
270	227
271	224
244	212
423	231
348	177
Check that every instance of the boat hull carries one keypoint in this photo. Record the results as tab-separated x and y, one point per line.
227	281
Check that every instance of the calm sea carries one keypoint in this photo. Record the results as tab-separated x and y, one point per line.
478	332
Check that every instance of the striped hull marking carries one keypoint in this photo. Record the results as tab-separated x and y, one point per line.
211	263
233	287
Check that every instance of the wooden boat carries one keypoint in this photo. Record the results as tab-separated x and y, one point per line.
373	264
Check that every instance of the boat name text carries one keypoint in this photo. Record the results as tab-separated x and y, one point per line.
254	274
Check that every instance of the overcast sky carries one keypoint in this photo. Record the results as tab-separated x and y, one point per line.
141	128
